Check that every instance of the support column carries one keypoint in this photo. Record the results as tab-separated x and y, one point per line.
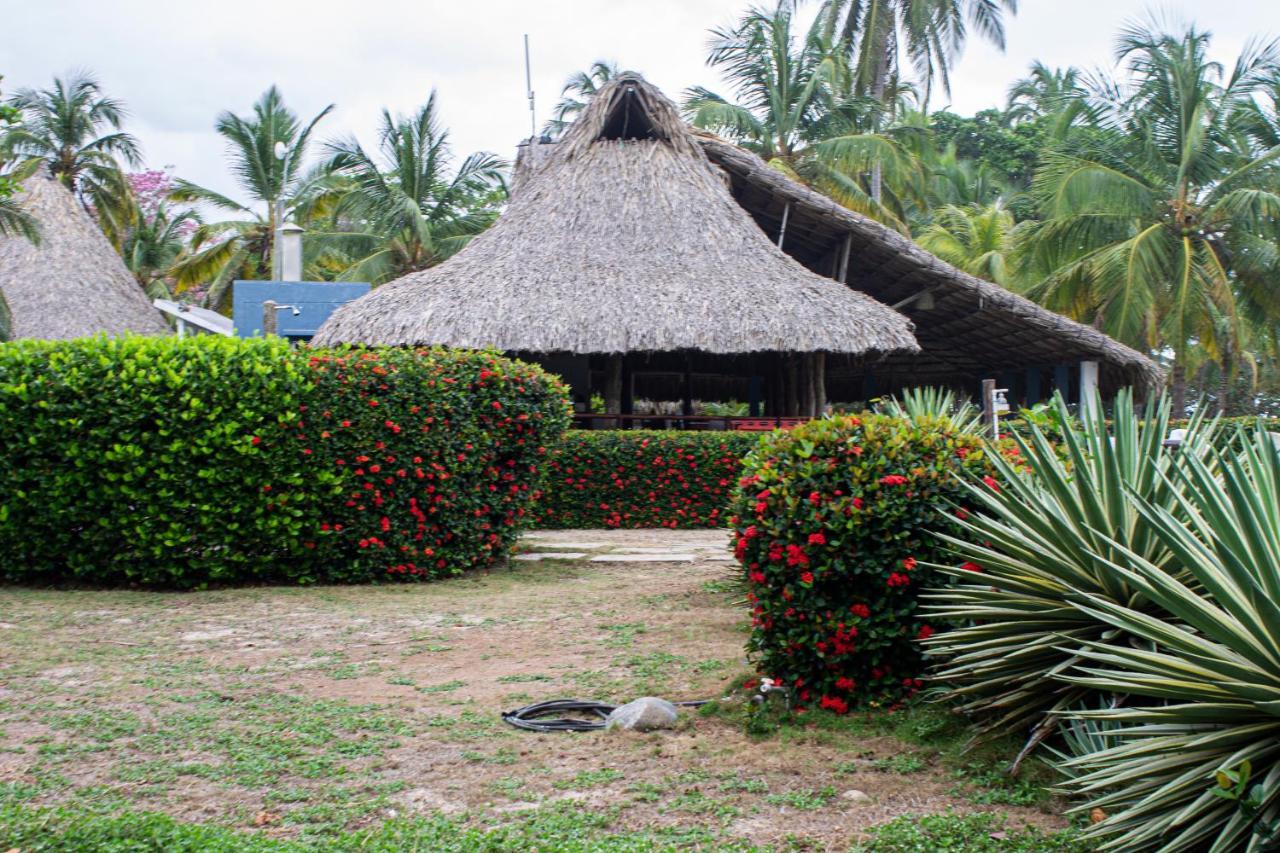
687	403
806	385
1062	381
1033	386
819	384
754	396
613	385
1088	386
989	407
792	383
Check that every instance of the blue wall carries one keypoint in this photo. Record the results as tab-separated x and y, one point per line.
316	300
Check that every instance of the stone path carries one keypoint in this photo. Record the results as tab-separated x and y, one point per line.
627	546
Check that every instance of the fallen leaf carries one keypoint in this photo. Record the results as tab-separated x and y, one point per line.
1097	816
264	818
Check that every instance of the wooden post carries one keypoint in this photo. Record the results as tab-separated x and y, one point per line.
793	383
844	258
613	385
820	384
268	318
989	406
687	404
806	385
782	232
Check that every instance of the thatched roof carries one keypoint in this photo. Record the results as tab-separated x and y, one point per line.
623	238
73	284
974	326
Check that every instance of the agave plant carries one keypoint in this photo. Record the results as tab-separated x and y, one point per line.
1043	542
915	403
1211	665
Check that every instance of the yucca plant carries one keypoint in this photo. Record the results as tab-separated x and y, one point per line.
1043	542
929	401
1210	661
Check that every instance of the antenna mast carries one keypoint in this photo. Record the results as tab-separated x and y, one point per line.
528	84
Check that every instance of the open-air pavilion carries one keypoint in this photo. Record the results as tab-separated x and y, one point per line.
639	258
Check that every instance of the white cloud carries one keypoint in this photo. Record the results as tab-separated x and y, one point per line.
178	63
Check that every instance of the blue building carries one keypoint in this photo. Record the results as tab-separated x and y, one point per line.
301	306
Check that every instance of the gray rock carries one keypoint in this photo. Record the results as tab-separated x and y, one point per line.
642	715
856	796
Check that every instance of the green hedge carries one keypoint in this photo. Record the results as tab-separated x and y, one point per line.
170	462
833	527
642	478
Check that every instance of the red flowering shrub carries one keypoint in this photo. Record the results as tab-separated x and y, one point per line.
441	454
167	462
832	525
641	478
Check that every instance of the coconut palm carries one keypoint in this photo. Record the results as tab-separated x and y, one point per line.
1168	233
76	130
1044	92
790	110
154	244
577	91
975	238
407	211
267	151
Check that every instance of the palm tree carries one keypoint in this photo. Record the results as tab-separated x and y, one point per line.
873	33
75	129
1166	233
267	151
577	91
790	111
408	212
1046	91
975	238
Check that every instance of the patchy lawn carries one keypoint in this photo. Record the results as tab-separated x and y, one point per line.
305	713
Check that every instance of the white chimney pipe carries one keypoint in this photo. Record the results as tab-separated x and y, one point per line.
289	239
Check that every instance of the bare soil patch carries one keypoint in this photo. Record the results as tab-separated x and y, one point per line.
305	711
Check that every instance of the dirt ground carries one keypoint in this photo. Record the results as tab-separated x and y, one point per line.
305	711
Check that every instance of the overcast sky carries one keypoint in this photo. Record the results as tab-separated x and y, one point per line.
178	63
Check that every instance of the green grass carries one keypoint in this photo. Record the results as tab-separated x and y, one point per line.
975	833
569	828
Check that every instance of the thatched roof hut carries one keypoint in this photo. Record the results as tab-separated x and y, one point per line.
72	284
636	234
625	239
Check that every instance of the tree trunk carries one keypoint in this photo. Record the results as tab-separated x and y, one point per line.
1178	388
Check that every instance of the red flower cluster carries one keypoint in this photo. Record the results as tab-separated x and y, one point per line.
835	555
636	479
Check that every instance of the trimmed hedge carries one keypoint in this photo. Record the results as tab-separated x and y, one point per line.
642	478
168	462
832	525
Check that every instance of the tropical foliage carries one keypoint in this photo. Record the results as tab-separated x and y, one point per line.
267	151
403	211
74	130
1066	509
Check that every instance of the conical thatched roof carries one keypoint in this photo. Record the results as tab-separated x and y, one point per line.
624	238
72	284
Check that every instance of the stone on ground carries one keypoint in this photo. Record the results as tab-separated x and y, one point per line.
644	714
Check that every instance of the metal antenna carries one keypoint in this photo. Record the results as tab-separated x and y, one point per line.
528	84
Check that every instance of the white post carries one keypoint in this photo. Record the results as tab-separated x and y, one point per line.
289	239
1088	386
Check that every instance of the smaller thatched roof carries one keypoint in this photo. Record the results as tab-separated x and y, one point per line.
625	238
72	284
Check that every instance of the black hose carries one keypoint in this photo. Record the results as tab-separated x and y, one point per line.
531	717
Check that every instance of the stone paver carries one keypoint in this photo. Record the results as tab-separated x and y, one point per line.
652	545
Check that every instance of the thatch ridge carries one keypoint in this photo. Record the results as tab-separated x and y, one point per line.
623	238
72	284
926	270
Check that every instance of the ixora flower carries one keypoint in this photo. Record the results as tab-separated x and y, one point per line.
893	480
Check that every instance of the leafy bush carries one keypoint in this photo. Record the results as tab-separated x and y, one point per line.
642	479
183	462
831	525
1041	542
1204	686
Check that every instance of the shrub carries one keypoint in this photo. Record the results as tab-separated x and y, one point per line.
642	479
831	525
441	454
1201	688
1042	542
173	462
